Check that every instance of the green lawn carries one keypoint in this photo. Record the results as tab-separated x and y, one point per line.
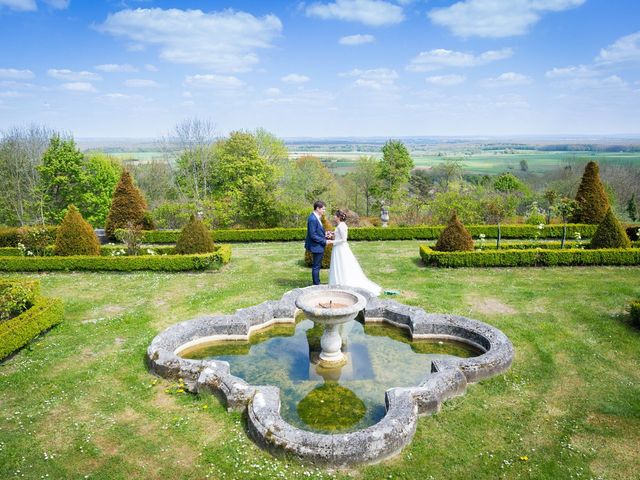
79	401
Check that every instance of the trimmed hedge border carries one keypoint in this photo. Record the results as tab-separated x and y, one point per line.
379	233
166	263
9	236
543	245
18	331
530	258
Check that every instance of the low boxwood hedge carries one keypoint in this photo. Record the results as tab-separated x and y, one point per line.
10	236
42	314
378	233
534	245
634	312
530	258
117	250
167	263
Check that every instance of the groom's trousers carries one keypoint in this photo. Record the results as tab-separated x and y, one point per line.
316	266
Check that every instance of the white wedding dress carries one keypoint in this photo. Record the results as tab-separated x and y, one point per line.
345	269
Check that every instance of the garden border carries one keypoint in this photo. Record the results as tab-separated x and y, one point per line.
538	257
164	263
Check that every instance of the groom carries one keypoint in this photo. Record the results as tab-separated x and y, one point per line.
315	240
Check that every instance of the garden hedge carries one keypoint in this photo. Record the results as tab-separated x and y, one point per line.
21	329
378	233
167	263
9	236
530	258
634	312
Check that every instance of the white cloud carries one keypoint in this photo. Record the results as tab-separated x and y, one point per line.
72	76
496	18
375	79
11	94
511	100
21	5
115	67
358	39
273	92
79	87
301	98
446	80
221	82
58	4
580	71
370	12
295	78
625	49
507	79
140	83
224	41
31	6
150	68
440	57
16	74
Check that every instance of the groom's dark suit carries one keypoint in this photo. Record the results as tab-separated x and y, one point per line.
315	243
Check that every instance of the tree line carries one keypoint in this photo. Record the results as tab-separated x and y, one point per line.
247	179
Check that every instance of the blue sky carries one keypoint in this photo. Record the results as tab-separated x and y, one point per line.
328	68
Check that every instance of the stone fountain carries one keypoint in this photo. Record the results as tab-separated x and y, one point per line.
331	308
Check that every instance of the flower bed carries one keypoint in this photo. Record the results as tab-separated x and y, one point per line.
40	314
167	263
530	257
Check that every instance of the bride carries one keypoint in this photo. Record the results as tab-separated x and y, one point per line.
345	269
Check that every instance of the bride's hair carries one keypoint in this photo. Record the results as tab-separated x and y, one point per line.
341	215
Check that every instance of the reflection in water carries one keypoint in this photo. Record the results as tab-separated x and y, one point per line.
378	358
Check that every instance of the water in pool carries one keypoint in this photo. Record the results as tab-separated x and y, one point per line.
343	399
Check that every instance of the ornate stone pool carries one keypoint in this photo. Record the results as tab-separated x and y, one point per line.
401	363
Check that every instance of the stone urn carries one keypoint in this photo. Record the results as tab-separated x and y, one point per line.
331	308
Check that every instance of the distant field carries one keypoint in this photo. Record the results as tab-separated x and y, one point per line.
486	162
477	162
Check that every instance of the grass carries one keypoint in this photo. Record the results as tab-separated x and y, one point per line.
78	401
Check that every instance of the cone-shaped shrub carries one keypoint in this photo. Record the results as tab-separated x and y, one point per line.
127	205
610	233
194	238
75	236
454	237
592	201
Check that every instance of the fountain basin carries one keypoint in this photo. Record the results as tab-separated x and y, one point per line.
447	379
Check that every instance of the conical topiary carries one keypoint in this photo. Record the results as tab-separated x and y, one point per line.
610	233
75	236
194	238
592	201
454	237
127	205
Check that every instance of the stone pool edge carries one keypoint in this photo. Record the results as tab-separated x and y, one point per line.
262	403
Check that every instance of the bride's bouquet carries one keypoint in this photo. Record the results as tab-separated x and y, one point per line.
329	234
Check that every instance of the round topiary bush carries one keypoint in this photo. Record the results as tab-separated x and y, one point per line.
127	205
75	236
592	201
454	238
194	238
610	233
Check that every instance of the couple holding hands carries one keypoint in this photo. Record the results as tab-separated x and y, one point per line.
344	268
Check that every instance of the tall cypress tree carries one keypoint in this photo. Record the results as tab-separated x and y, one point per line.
128	205
592	201
632	208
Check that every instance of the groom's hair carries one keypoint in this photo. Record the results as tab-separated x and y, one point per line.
318	204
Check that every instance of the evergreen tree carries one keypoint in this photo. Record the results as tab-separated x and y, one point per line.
454	237
591	197
127	205
632	208
75	236
194	238
610	233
